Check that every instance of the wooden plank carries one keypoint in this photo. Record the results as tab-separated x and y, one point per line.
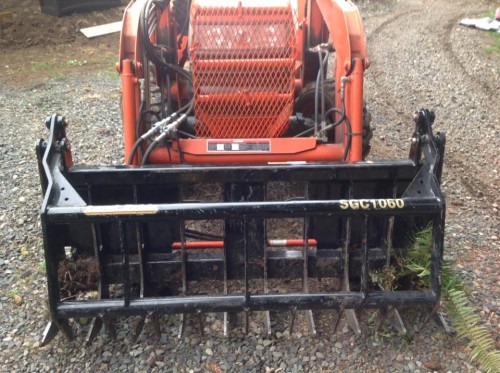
108	28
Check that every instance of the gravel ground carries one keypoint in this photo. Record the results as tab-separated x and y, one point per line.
420	58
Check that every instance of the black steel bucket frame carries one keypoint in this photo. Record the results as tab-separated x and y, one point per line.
62	205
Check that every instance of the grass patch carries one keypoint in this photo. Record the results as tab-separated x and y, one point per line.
51	66
42	267
12	293
104	65
42	66
494	37
494	47
489	14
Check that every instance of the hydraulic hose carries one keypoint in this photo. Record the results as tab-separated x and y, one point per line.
167	129
320	79
349	138
150	49
343	117
156	128
138	123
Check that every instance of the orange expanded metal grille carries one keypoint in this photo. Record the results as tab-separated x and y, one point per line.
243	70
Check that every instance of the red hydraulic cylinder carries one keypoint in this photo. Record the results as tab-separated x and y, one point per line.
356	111
129	99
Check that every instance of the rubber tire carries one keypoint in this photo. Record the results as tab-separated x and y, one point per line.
306	96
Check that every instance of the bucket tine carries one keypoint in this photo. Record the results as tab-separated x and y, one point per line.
247	323
310	322
267	314
391	314
397	322
245	255
226	324
305	270
364	257
50	332
352	320
137	328
95	327
110	326
201	323
182	327
140	249
66	330
437	316
431	314
337	321
182	234
292	320
442	322
227	315
53	328
381	317
155	320
103	291
394	318
267	318
125	265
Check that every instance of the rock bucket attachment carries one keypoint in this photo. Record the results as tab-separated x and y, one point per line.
184	239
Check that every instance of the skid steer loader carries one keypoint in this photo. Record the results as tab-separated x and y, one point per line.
245	188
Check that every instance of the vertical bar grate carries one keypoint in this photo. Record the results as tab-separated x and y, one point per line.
125	264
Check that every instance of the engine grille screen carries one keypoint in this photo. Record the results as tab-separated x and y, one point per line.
243	62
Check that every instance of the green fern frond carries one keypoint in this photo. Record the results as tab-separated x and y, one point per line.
455	297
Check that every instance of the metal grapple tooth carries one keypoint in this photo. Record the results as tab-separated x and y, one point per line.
230	322
109	326
310	322
137	328
53	328
66	329
397	322
381	317
309	319
438	317
352	320
247	323
291	323
337	321
393	316
442	322
182	327
155	320
225	328
267	318
201	324
95	327
50	332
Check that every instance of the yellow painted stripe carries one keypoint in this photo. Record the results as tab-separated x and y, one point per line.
120	210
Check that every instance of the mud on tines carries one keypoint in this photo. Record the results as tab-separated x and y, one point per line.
246	190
